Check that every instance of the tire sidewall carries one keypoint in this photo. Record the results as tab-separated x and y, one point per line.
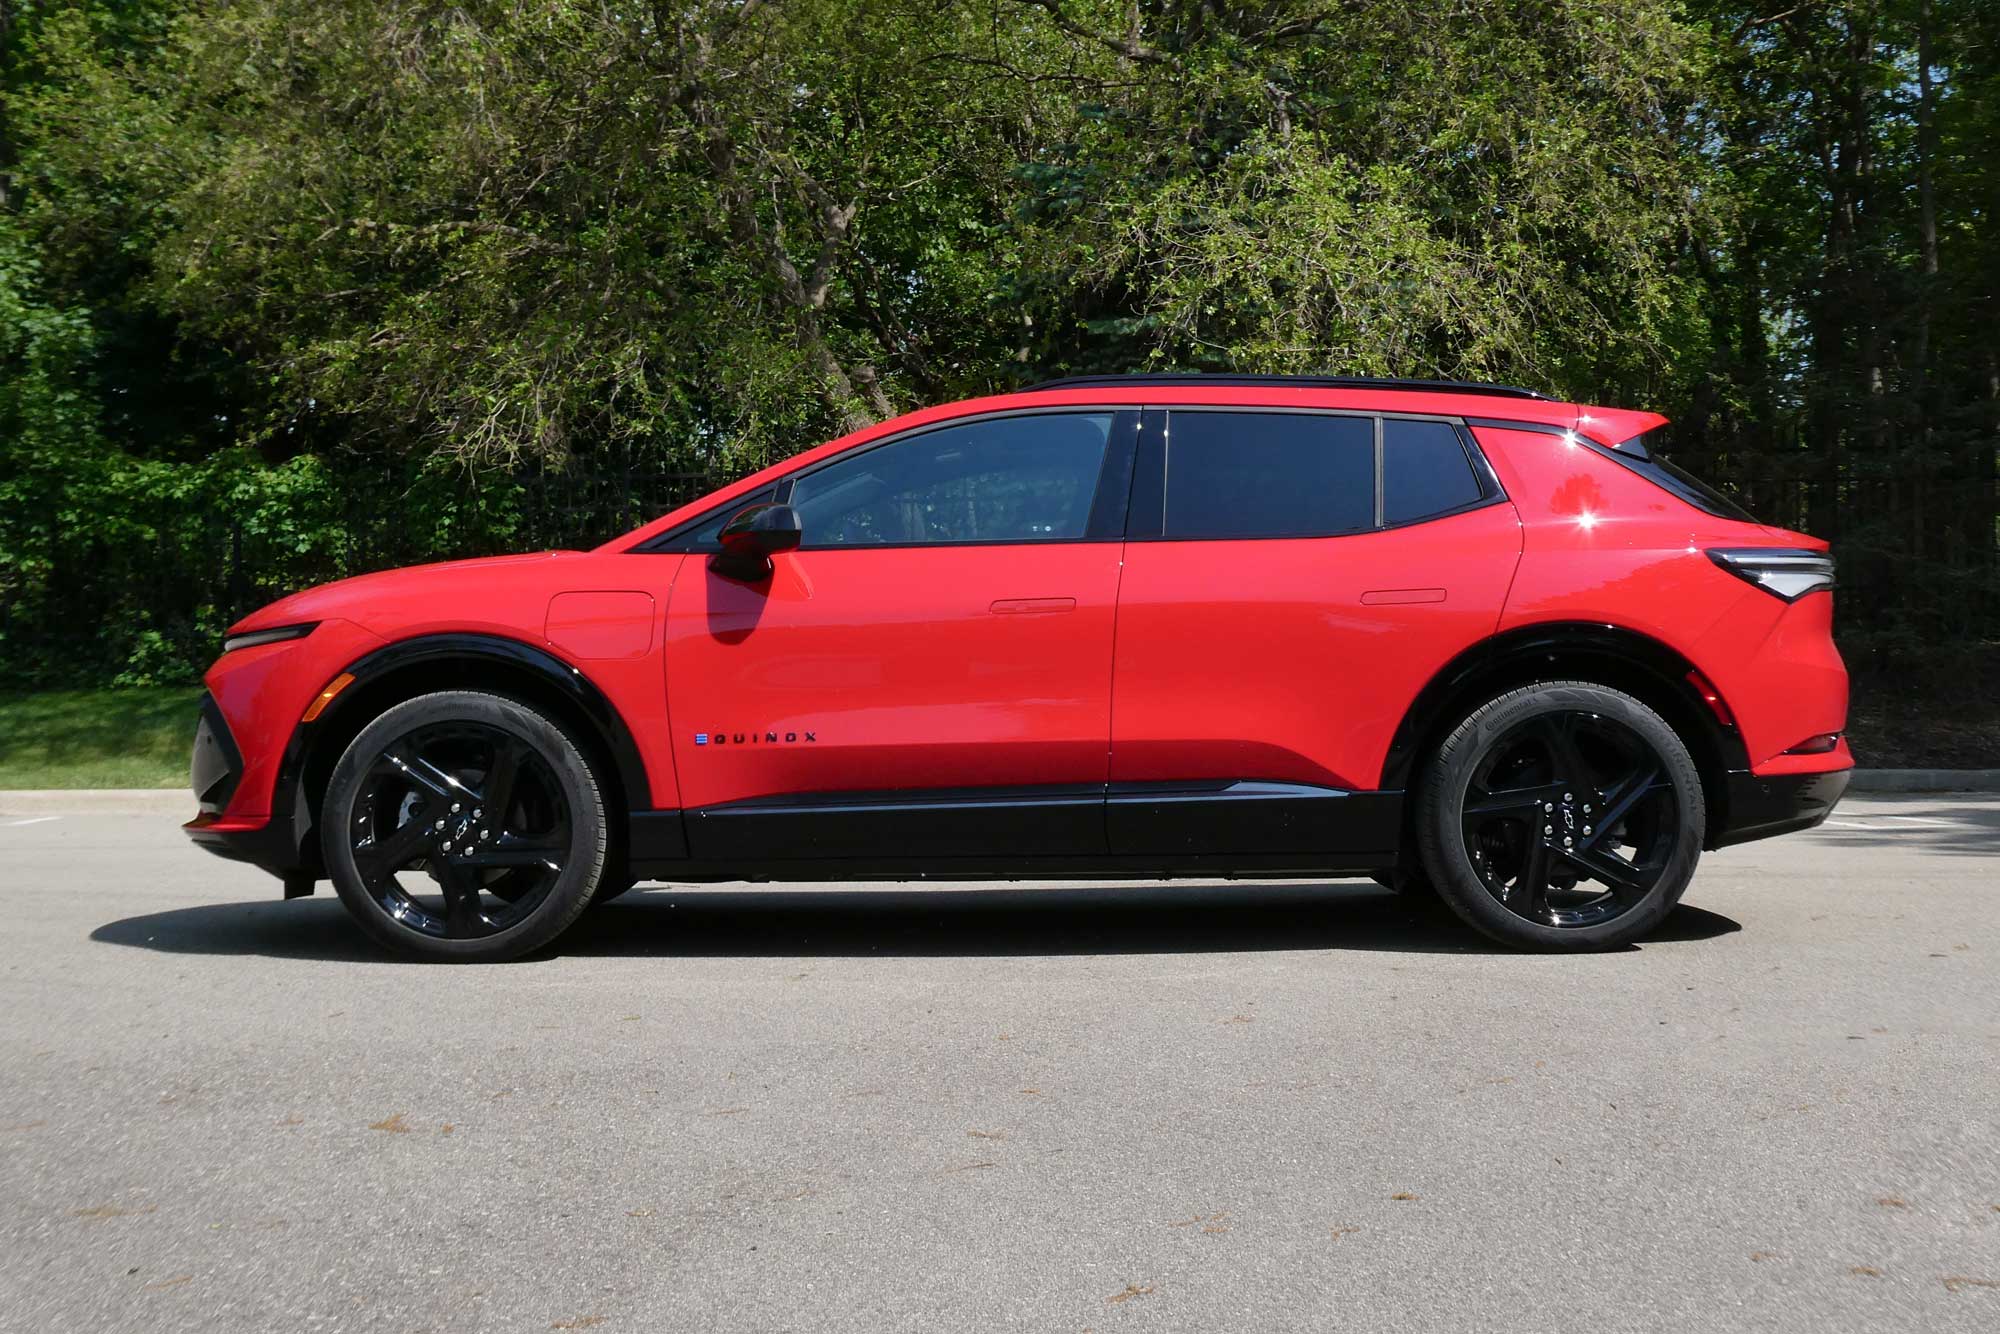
1441	831
565	759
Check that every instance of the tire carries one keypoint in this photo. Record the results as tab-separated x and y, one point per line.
1525	815
1409	882
612	887
422	863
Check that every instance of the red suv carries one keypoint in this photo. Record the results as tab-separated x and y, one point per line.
1459	637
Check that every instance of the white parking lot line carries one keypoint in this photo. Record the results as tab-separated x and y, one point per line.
39	819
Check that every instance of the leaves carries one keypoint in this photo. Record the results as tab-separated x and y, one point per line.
290	290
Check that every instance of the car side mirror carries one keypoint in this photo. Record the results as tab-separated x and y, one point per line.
751	537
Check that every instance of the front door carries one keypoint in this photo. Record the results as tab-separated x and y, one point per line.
929	674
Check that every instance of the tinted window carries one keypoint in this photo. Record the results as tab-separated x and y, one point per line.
1269	474
1008	479
704	538
1424	471
1644	454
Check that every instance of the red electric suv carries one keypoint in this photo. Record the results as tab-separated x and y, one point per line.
1459	637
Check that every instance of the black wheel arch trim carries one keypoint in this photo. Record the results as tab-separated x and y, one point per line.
1562	649
568	680
289	809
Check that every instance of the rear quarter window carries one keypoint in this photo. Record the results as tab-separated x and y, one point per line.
1424	471
1646	455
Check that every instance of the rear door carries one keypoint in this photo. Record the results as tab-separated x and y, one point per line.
1292	579
930	673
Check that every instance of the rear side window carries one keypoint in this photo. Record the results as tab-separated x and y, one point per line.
1268	474
1424	471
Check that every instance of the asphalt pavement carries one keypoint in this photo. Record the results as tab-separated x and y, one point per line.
967	1107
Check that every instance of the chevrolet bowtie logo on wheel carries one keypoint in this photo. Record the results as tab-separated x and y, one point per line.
753	738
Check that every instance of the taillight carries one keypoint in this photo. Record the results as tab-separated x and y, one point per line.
1783	572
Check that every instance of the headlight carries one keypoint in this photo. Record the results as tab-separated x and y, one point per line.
1783	572
277	634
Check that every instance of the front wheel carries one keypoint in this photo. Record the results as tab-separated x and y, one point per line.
1561	816
464	826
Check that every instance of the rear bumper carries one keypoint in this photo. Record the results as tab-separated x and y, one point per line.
1762	806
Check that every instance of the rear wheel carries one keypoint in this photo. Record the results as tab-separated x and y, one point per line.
464	826
1561	816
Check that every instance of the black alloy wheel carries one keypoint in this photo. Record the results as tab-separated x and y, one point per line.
1562	816
464	826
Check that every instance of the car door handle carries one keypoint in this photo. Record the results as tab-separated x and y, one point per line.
1397	597
1031	606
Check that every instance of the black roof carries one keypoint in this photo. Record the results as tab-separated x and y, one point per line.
1292	381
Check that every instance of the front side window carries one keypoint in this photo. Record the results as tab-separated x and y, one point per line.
1268	474
1029	478
707	536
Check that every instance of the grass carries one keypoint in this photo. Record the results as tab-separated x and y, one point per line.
97	738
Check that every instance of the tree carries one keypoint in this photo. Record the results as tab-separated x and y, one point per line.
371	258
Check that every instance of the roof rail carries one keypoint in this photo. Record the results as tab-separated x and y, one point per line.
1296	381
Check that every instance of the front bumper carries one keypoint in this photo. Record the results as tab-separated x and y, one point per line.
1772	804
268	843
216	766
272	842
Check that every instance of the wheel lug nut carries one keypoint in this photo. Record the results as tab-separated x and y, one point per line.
439	825
455	808
1586	831
1566	797
1566	842
485	834
1548	829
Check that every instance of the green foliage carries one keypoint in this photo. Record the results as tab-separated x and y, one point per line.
1367	189
291	289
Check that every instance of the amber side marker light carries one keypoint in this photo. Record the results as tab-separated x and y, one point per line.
333	687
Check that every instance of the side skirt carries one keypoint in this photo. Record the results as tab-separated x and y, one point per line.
1121	831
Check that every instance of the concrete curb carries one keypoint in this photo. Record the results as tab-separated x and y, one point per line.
176	801
1925	780
98	801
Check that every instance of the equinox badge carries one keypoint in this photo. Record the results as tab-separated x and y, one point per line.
753	738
